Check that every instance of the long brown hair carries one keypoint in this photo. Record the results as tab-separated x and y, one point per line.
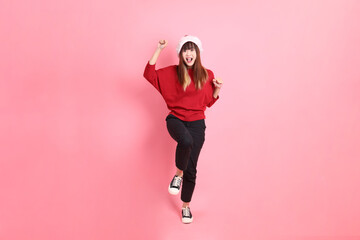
199	72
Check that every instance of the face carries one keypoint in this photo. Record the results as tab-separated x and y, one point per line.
189	56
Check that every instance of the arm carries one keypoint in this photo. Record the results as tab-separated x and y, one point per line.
218	84
150	73
161	45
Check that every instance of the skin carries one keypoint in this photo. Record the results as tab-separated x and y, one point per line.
186	55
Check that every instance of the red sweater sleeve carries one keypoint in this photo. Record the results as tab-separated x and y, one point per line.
150	74
212	101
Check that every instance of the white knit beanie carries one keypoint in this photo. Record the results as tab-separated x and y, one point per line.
188	38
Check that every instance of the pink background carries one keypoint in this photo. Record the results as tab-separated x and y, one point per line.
85	153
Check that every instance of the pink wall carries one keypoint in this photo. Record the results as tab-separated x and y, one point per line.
85	153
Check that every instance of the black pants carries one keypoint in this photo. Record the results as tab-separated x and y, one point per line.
190	137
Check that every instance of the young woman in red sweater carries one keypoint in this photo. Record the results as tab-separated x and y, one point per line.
187	88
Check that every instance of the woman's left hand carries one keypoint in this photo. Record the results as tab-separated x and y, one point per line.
218	82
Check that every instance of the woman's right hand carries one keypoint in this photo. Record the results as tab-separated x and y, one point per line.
162	44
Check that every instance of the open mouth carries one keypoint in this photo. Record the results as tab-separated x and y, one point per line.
189	59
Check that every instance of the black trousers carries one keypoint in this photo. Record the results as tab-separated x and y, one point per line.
190	137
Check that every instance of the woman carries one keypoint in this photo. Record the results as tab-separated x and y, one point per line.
187	88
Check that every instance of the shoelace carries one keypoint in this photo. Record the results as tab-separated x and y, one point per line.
177	181
186	212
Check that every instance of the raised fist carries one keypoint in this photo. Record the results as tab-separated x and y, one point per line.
162	44
218	82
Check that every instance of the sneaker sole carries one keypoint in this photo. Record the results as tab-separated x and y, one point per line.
173	191
187	220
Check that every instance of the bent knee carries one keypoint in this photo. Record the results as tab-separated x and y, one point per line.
186	142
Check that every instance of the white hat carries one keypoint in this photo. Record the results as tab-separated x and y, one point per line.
188	38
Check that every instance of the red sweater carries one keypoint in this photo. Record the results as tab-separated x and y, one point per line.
187	105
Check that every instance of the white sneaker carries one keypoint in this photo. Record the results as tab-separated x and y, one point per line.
175	184
186	215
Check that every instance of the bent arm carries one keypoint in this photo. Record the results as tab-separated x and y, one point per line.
150	73
161	45
216	92
217	84
155	56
